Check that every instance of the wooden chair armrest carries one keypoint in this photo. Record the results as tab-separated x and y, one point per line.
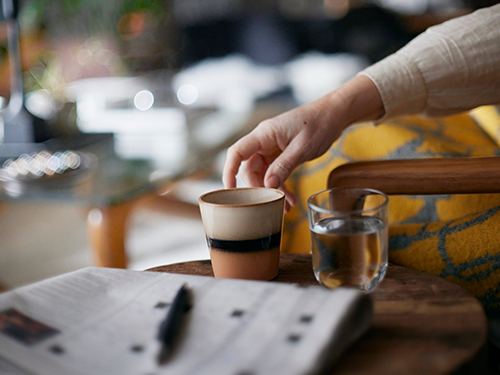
422	176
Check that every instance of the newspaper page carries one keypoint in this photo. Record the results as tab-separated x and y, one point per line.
105	321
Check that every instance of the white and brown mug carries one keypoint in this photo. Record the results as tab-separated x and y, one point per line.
243	228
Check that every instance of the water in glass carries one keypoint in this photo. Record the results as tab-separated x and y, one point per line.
349	251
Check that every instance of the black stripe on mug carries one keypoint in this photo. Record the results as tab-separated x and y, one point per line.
246	246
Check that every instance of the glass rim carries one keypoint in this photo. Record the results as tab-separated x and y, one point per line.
311	205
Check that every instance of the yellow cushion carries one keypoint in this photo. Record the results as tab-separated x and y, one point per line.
467	254
488	118
465	251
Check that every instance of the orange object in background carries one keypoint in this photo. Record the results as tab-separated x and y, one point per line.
131	25
31	45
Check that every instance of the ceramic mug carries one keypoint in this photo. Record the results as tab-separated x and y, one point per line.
243	227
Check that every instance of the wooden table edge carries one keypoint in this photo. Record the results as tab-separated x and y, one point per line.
390	309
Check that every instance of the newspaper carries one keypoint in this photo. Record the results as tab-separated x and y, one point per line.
105	321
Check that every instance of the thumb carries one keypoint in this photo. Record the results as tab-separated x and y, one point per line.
282	167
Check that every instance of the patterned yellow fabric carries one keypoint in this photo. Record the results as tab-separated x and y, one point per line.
454	236
488	118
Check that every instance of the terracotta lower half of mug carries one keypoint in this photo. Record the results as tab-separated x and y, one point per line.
251	265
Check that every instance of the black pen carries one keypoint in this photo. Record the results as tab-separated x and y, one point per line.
171	326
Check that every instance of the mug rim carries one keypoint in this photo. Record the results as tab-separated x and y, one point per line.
202	197
311	205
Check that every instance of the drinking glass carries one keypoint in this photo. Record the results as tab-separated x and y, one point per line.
349	237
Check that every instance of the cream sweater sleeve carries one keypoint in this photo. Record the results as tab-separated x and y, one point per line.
448	69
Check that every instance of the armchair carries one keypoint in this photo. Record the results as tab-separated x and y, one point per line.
443	179
466	250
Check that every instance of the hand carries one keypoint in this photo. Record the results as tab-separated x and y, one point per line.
269	154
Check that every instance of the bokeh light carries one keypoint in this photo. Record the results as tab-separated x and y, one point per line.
42	163
144	100
187	94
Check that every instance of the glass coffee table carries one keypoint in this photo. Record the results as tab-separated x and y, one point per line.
110	186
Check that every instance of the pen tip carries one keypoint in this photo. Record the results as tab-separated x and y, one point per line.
163	356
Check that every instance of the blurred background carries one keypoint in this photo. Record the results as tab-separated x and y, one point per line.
140	70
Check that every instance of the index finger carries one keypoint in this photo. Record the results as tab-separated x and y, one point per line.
236	154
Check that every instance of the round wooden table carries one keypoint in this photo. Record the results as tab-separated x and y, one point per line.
422	324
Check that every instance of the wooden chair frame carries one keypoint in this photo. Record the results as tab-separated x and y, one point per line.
462	175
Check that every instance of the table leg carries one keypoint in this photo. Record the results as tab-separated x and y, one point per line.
107	226
2	287
107	229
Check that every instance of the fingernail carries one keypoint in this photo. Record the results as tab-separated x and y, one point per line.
274	182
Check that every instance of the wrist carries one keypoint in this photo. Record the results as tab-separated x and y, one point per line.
360	100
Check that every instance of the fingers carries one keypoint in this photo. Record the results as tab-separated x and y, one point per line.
267	167
252	171
283	166
237	154
231	167
290	199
